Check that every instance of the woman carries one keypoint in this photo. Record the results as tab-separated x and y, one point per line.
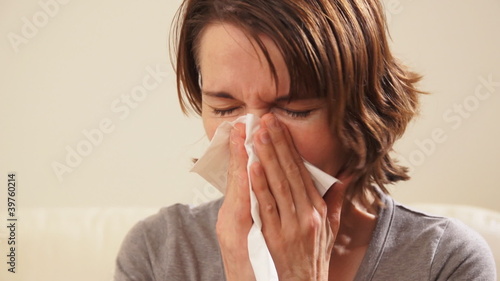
320	75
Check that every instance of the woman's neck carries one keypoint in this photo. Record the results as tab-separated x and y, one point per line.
357	224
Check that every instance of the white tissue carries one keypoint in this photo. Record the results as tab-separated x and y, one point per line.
212	166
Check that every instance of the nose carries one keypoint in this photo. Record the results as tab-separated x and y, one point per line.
259	112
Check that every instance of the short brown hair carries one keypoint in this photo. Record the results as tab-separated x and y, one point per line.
335	49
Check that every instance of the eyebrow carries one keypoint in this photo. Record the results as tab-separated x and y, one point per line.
225	95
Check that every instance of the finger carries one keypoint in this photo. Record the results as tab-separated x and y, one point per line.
237	177
327	241
240	127
291	163
313	194
276	179
335	200
269	215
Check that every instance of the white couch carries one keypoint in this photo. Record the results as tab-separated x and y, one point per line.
80	244
69	244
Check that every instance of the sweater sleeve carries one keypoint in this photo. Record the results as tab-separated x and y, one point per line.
462	254
133	261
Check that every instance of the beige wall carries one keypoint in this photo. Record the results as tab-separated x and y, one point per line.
87	86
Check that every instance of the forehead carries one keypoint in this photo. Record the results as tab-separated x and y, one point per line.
230	60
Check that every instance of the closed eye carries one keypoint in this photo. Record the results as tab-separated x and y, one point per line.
224	112
297	114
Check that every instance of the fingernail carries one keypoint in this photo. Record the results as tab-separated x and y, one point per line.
272	122
264	137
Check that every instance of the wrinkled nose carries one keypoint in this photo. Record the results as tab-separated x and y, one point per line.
258	112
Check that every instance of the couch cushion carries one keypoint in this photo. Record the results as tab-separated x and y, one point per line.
69	243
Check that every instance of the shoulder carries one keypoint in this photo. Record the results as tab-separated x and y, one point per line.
442	231
460	253
180	217
414	245
176	235
171	221
440	248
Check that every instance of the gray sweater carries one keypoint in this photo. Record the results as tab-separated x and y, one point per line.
179	243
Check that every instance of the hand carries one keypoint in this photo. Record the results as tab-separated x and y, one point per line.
234	218
299	233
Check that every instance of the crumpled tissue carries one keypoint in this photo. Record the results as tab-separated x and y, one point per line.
213	165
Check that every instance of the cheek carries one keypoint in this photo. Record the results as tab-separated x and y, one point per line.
318	147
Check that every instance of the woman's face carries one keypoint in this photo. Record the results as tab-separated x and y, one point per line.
236	80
